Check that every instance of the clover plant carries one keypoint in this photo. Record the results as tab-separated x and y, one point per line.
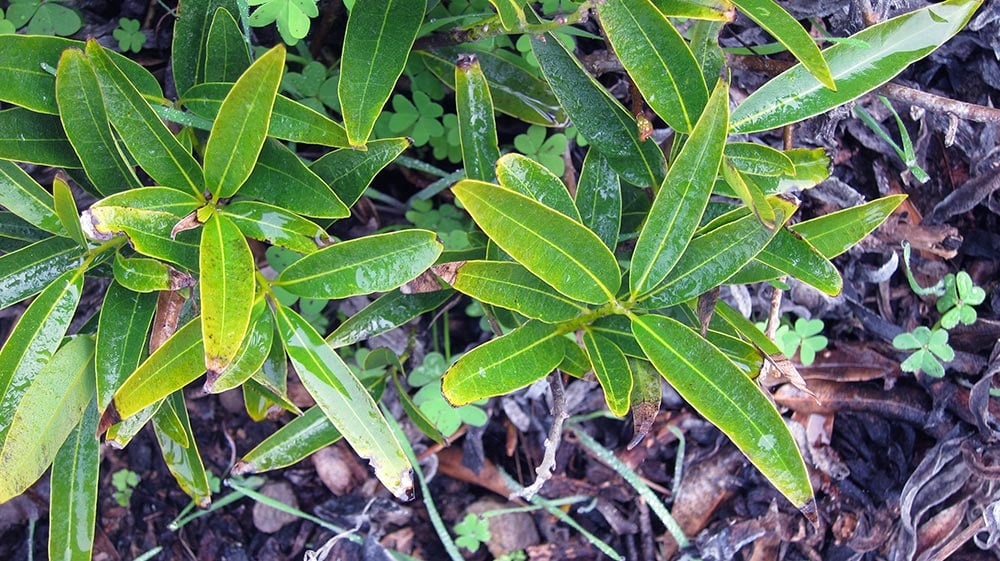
44	17
128	35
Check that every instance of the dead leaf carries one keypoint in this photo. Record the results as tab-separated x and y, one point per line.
438	277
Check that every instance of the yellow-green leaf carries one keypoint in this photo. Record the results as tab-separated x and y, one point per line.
612	371
227	290
511	286
783	27
476	126
73	493
183	461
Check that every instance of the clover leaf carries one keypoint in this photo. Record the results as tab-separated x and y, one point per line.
448	144
313	87
805	338
547	151
291	16
44	17
417	119
960	295
431	402
931	348
6	26
472	532
128	35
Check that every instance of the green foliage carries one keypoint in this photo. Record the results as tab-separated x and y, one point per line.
904	152
6	26
547	151
801	337
44	17
428	398
124	481
313	87
930	348
291	16
960	295
472	532
128	35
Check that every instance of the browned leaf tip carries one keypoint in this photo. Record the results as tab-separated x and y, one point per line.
466	61
243	468
436	278
643	415
189	222
168	312
108	418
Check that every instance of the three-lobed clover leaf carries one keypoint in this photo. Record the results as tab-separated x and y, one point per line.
931	348
291	16
128	35
472	532
44	17
313	87
446	418
803	337
6	26
417	119
548	151
961	294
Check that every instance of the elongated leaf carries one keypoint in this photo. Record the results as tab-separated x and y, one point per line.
710	10
658	60
226	54
871	59
350	172
290	444
281	179
557	249
612	371
618	329
505	364
191	32
47	413
67	212
73	495
227	290
415	414
251	356
81	108
750	193
177	362
20	194
476	127
28	270
511	13
598	116
16	233
35	138
727	398
148	140
376	263
834	233
791	255
575	361
121	338
275	225
32	343
599	198
241	126
345	401
758	159
182	458
149	275
681	200
376	44
388	312
783	27
523	175
511	286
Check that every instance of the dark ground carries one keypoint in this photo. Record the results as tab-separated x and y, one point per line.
904	467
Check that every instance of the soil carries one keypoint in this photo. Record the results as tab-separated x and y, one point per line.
904	466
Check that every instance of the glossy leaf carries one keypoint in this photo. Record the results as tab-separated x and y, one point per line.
32	343
35	138
73	493
523	175
350	172
227	290
275	225
20	194
658	60
226	55
612	371
121	338
789	254
16	233
22	79
377	263
251	356
832	234
504	364
240	128
681	200
148	140
292	443
376	44
749	192
45	415
477	128
511	14
618	330
557	249
190	41
727	398
281	179
27	271
711	10
511	286
183	460
783	27
574	361
873	57
149	275
758	159
345	401
81	108
415	414
176	363
598	116
388	312
599	198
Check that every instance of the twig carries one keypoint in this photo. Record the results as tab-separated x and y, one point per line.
940	104
559	415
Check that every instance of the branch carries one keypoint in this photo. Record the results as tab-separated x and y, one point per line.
559	416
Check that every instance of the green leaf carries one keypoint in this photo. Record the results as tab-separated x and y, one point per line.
606	125
32	343
759	159
275	225
575	361
282	179
710	10
749	192
73	494
35	138
241	126
23	81
511	286
121	338
618	330
28	270
832	234
870	59
350	172
148	140
81	108
557	249
45	415
658	60
388	312
682	198
65	207
599	198
531	179
726	397
16	233
476	126
377	263
251	356
182	458
789	254
376	44
177	362
227	291
290	444
612	371
149	275
226	54
345	401
783	27
188	59
415	414
511	14
505	364
20	194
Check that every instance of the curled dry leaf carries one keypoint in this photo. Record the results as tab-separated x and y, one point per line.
431	279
